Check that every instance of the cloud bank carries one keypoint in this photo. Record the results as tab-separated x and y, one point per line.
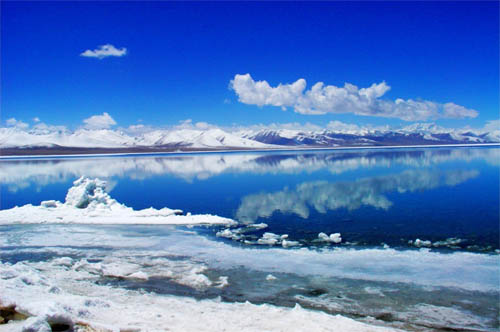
104	51
323	99
103	121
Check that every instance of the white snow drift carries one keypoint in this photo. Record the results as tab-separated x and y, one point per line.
87	202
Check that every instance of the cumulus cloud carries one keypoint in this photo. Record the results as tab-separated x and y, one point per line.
322	99
36	119
188	124
493	125
451	110
104	51
12	122
103	121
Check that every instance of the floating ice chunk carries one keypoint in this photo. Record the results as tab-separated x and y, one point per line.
258	226
87	202
421	243
270	277
288	243
222	282
323	236
268	238
233	234
333	238
451	242
227	233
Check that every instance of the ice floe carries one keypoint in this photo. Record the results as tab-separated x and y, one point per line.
87	202
270	277
450	243
333	238
268	238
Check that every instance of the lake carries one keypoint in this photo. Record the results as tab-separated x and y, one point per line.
419	231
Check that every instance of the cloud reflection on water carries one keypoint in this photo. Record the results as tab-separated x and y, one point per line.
323	196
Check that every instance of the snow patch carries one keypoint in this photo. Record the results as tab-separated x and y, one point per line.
87	202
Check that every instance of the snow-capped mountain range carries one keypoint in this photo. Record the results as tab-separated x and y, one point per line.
411	135
216	138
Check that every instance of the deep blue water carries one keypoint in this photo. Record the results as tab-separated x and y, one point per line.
371	197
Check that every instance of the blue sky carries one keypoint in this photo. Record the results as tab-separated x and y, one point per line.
181	57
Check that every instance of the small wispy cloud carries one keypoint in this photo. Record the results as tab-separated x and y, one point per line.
36	119
12	122
323	99
103	121
104	51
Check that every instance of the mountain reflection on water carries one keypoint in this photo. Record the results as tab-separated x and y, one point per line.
21	173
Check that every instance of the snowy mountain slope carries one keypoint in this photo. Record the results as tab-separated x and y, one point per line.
106	138
197	139
410	135
53	137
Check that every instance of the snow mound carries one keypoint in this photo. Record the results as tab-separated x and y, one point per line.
87	202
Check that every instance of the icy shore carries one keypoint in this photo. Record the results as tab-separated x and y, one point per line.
87	202
63	292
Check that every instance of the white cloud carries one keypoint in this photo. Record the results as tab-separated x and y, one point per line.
104	51
12	122
322	99
44	129
203	125
36	119
452	110
493	125
103	121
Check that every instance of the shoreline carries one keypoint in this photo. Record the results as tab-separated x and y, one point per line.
91	153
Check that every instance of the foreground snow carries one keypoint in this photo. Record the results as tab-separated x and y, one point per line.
64	292
88	203
82	273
